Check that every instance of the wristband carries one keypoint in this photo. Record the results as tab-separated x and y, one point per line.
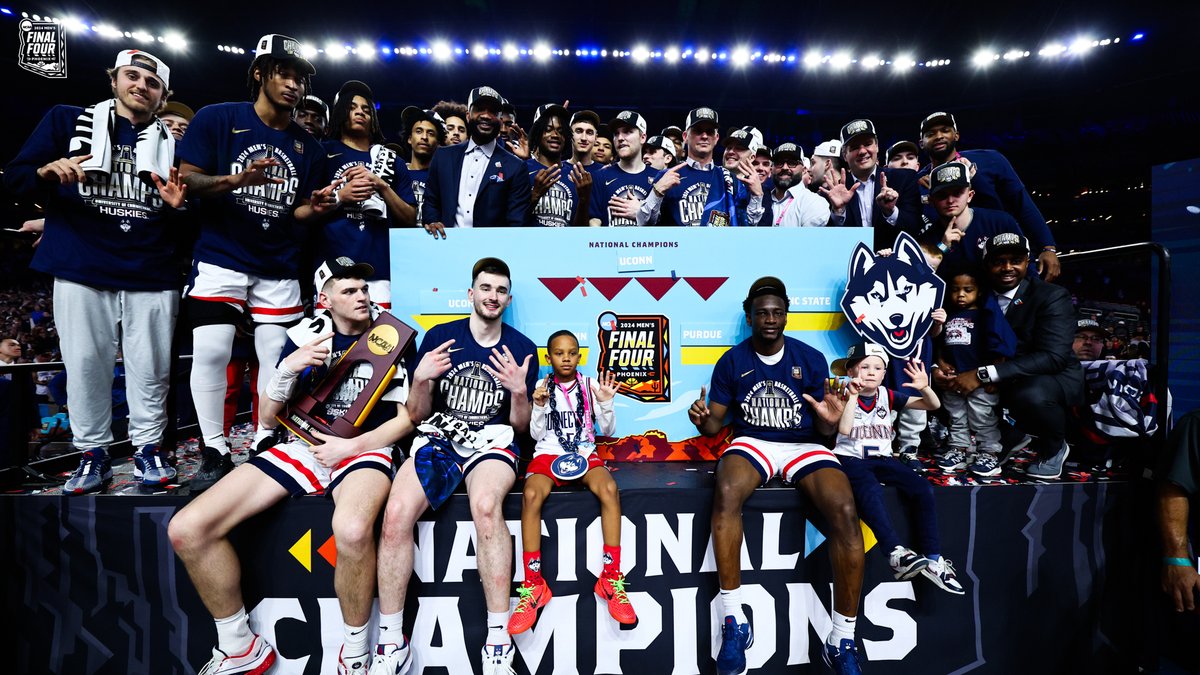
1051	249
941	246
661	195
1177	562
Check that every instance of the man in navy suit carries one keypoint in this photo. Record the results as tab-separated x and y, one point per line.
477	183
869	195
1044	380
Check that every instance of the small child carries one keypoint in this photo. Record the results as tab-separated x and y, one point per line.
974	335
864	447
566	405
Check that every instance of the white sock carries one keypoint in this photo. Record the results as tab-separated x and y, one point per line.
210	357
843	628
233	633
354	642
260	433
732	602
497	623
391	628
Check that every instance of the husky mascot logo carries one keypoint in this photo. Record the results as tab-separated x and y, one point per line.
890	299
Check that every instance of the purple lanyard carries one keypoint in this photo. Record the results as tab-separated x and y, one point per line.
587	418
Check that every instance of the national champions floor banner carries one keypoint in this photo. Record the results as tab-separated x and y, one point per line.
658	306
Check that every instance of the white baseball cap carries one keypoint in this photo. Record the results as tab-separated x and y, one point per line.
156	66
831	148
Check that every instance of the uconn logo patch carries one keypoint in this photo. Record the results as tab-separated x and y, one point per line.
890	300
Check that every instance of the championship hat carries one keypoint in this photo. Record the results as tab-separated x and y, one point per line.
314	104
902	146
156	66
628	118
481	94
1005	241
283	48
949	175
740	138
341	267
857	128
412	114
1091	324
586	116
701	116
553	109
663	143
354	88
787	151
938	118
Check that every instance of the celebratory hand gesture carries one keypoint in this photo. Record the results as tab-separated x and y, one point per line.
828	409
541	394
838	193
312	354
606	386
887	196
434	363
65	170
504	368
173	192
323	200
519	144
747	174
256	174
699	412
669	179
582	179
543	180
918	377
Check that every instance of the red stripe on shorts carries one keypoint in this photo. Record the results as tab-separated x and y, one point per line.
303	470
805	456
276	310
770	469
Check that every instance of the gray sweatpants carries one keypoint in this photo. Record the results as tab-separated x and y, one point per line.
91	324
910	422
977	413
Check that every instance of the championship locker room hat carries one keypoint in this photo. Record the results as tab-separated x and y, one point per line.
671	130
341	267
702	116
315	104
586	116
765	286
788	151
1005	241
756	138
855	353
354	88
481	94
412	114
902	146
831	148
949	175
663	143
1091	324
938	118
551	110
283	48
740	138
627	118
138	59
857	128
485	264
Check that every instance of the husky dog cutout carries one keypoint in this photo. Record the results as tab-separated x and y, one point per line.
890	299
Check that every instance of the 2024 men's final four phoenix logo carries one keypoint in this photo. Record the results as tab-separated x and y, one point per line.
635	347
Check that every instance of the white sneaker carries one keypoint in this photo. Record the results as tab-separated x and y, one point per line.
941	572
497	659
353	666
906	563
256	660
391	659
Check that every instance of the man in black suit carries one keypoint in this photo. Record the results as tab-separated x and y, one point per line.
895	200
1040	384
477	183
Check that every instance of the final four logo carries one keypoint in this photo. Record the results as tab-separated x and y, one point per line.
43	48
890	299
635	348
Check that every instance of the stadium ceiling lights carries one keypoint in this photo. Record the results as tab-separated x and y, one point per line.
442	50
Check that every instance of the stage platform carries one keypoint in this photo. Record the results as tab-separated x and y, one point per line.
93	585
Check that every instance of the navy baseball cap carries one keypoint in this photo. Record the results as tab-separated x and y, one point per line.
663	143
628	118
586	116
740	138
787	151
551	109
701	116
949	175
481	94
857	128
354	88
1091	324
314	104
341	267
1005	241
938	118
902	146
283	48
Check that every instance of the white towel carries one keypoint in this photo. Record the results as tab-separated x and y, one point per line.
383	164
154	151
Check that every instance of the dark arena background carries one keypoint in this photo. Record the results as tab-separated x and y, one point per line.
1094	106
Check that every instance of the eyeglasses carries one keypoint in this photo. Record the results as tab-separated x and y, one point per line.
1096	339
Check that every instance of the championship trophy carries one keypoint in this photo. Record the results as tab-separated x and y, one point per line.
378	352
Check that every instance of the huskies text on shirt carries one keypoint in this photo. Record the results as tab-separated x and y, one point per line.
557	207
251	229
109	232
353	233
613	180
766	400
873	429
468	392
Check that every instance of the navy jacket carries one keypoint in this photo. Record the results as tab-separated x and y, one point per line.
903	181
503	198
1043	319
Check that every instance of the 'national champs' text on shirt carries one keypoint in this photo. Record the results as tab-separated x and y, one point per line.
766	400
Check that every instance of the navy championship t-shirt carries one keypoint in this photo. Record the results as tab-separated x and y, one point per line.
613	180
766	401
251	229
352	233
557	207
703	198
468	392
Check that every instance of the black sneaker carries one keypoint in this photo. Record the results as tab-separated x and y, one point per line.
214	465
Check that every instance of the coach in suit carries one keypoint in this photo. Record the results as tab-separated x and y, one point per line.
1044	379
477	183
895	198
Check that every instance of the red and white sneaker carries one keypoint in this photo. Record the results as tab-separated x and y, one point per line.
259	657
612	590
533	596
391	659
353	666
